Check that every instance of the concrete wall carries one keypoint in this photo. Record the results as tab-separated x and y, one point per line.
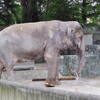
88	39
92	65
96	38
19	91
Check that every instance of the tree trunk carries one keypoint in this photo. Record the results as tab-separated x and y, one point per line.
84	11
35	11
30	10
25	7
47	6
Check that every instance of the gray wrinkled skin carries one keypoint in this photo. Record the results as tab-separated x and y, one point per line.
29	41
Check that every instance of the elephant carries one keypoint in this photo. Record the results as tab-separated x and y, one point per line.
29	41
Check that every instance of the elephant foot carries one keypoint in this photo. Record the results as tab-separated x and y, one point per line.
49	85
52	83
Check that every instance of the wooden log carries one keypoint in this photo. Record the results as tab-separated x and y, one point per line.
61	79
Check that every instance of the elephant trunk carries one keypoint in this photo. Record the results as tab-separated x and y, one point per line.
81	58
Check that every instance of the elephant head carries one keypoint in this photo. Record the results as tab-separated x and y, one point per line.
73	38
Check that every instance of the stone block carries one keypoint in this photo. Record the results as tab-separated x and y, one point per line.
88	39
92	50
96	38
92	65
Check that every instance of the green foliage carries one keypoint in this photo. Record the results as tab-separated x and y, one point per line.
73	10
10	12
13	11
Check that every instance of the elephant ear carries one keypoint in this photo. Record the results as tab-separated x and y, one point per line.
70	31
79	32
63	28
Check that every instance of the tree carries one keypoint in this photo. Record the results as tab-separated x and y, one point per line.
25	10
30	10
61	10
34	11
10	12
88	9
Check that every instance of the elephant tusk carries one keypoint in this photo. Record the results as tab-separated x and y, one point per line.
77	76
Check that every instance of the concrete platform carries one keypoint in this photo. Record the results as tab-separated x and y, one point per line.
82	89
28	71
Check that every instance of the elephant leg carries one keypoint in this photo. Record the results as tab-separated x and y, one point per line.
52	62
1	69
9	62
9	71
